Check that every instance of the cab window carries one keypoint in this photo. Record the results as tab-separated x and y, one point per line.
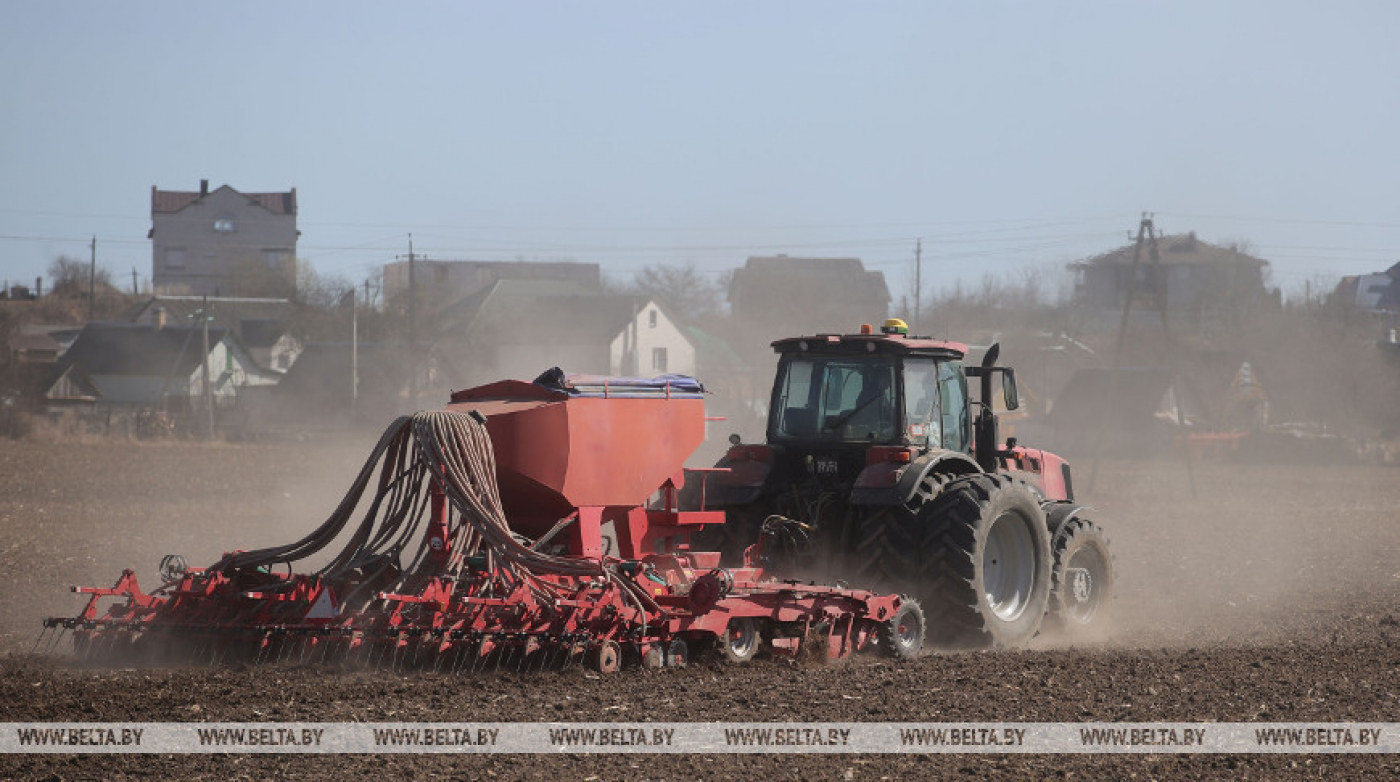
923	422
836	399
953	387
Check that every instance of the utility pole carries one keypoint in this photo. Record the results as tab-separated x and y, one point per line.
204	363
92	277
918	282
135	291
354	356
412	328
1146	235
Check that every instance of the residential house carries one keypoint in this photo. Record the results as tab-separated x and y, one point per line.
1375	294
519	328
261	326
1196	277
49	387
782	296
33	347
145	365
441	282
223	242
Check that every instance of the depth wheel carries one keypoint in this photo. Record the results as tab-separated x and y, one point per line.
677	654
902	635
1082	582
606	657
985	562
741	640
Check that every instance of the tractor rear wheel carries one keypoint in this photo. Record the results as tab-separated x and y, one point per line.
985	565
884	549
1082	581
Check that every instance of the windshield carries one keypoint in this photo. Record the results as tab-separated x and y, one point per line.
837	399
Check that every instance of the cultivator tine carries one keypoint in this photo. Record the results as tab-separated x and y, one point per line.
111	644
55	640
43	634
50	639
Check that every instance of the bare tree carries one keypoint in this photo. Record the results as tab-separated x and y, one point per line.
686	291
70	276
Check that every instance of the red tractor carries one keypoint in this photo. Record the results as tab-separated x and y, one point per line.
880	469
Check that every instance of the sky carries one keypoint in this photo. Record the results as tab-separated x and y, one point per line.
1007	137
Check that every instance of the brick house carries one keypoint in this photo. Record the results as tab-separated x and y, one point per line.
223	242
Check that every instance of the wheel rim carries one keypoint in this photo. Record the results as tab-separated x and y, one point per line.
742	640
1008	566
609	658
907	630
1084	584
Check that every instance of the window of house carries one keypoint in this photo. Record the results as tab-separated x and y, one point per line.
223	224
651	316
658	359
175	258
273	259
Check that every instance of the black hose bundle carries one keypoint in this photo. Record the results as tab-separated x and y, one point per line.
453	451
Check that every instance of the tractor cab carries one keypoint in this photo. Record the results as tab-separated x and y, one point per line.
853	412
835	397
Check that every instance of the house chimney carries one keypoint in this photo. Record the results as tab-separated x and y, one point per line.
161	318
204	187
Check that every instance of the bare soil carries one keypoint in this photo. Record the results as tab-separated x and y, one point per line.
1273	594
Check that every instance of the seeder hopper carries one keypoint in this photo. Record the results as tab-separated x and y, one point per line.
527	525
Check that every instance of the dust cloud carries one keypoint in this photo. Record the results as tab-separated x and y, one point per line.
1261	554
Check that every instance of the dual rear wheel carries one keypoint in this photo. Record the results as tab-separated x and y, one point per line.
984	562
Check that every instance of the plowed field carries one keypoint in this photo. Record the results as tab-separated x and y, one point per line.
1273	595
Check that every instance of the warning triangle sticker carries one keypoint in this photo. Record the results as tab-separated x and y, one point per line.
323	608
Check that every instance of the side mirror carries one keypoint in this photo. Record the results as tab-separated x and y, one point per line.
1008	389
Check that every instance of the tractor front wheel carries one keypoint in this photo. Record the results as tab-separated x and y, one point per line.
1082	581
985	562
